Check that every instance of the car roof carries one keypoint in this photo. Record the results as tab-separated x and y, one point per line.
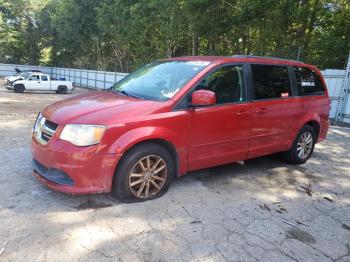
37	73
239	58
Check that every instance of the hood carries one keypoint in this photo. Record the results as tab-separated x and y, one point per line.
98	107
13	78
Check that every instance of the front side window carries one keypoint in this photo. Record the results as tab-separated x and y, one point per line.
309	83
271	81
159	81
34	78
226	82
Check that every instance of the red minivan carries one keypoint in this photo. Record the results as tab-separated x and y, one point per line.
177	115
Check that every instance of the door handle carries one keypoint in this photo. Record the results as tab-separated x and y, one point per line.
261	110
38	81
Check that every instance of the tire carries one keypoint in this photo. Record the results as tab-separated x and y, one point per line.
294	155
130	171
62	90
19	88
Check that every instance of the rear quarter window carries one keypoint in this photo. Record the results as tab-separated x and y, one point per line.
309	82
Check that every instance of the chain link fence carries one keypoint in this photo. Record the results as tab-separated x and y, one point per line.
80	77
338	83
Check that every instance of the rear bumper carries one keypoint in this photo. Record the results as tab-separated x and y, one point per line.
70	169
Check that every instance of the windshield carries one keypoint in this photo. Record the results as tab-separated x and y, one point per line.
160	80
25	75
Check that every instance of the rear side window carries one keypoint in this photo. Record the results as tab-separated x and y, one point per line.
309	83
226	82
44	78
271	81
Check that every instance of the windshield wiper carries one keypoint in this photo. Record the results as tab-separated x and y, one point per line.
121	92
127	94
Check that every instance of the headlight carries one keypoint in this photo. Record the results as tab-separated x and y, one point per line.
36	123
82	135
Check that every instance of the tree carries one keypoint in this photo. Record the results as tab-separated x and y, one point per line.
123	35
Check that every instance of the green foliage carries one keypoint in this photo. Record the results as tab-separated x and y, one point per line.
122	35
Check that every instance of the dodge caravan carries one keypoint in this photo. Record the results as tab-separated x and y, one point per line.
178	115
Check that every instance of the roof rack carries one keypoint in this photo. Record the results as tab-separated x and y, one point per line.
264	57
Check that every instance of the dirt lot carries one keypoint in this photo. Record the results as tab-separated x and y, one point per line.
265	210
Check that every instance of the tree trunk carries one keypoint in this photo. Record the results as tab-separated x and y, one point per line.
195	43
168	49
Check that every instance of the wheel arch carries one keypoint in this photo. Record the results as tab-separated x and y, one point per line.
161	142
19	84
315	125
159	135
311	120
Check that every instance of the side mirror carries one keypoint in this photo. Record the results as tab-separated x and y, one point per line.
203	98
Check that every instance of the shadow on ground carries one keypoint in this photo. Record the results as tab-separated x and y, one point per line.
265	210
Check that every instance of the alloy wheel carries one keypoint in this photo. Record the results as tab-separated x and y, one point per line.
305	144
148	176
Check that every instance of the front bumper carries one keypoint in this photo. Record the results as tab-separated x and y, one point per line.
9	87
70	169
53	175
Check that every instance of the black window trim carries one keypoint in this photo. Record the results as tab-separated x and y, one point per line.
296	83
184	105
290	73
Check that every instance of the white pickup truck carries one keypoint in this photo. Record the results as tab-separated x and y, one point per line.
41	82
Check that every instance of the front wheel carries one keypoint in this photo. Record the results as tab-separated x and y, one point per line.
19	88
144	173
302	147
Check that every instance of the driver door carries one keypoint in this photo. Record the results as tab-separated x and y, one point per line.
33	82
220	133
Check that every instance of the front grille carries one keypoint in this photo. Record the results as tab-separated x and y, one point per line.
51	125
46	137
44	130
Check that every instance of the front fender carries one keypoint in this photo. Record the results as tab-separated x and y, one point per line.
19	82
141	134
135	136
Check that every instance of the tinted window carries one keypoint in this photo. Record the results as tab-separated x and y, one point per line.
271	81
309	83
226	82
44	78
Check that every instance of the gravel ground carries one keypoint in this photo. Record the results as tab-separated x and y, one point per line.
266	210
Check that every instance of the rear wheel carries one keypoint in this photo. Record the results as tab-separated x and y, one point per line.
144	173
19	88
302	147
62	90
